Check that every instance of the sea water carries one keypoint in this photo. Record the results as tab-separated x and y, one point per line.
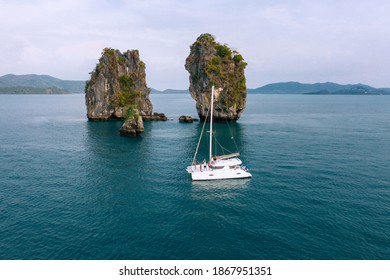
74	189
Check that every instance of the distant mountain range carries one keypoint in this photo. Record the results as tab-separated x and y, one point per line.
44	84
319	88
38	84
169	91
299	88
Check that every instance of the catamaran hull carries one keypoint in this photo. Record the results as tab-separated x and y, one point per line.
219	175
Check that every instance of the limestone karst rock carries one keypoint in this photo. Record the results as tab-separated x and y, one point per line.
117	83
155	117
210	63
133	125
187	119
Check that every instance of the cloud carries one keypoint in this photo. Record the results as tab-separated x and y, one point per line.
307	41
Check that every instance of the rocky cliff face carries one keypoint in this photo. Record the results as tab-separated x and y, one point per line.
117	86
212	63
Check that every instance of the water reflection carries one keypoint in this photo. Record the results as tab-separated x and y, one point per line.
218	189
112	159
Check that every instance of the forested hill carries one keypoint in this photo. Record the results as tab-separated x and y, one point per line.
32	84
300	88
319	88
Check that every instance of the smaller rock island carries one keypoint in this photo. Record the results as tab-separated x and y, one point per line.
187	119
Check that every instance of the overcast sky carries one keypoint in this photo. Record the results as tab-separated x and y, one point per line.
306	41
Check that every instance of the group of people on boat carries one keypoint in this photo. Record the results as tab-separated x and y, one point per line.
204	165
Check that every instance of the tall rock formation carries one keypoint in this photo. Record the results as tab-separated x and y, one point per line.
117	87
212	63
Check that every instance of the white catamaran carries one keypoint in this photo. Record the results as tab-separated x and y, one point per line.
218	167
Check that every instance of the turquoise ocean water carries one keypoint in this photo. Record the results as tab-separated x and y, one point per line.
73	189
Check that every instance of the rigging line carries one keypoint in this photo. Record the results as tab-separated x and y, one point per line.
231	134
218	144
200	138
223	149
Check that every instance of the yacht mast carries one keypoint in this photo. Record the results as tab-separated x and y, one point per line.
211	122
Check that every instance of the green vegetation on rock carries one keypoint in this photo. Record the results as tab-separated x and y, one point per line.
125	97
131	112
126	94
